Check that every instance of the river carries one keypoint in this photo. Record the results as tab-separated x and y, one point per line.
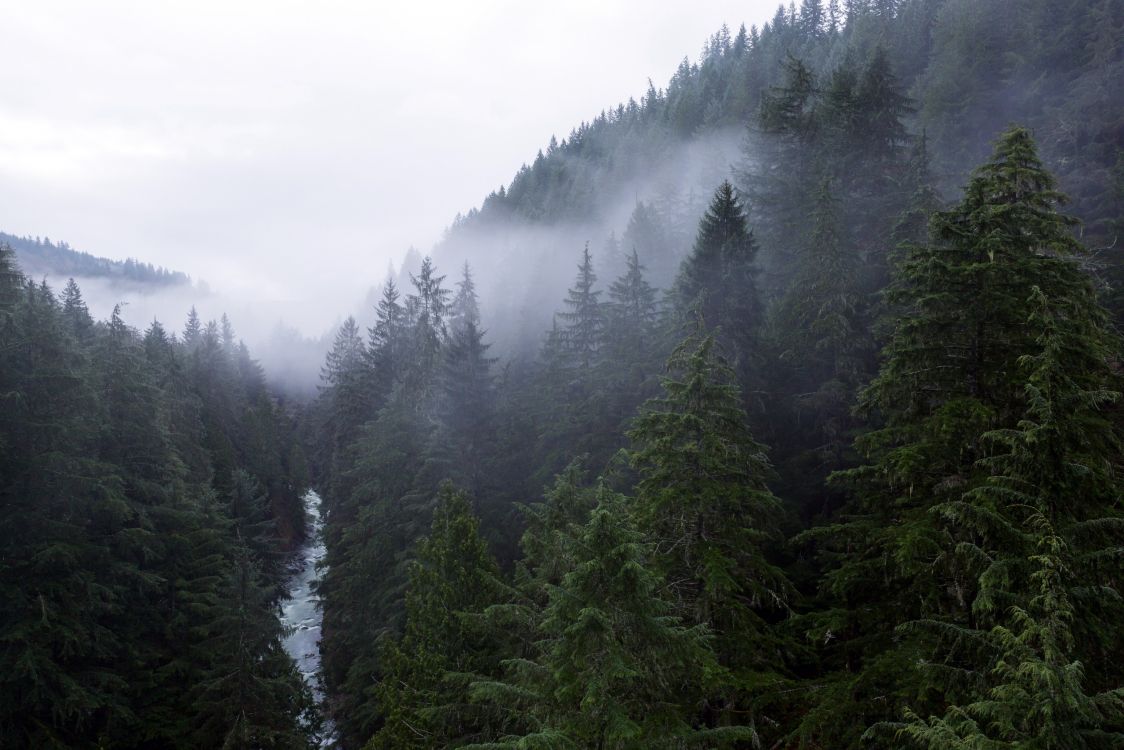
301	614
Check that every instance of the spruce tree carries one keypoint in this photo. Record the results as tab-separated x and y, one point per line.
386	345
466	410
422	691
1050	519
616	666
75	311
949	376
465	307
718	278
632	311
584	316
703	498
252	695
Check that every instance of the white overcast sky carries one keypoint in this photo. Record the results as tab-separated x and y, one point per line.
285	150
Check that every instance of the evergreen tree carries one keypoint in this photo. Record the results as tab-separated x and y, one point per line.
422	690
252	696
75	311
948	377
465	308
386	344
467	410
703	498
345	391
192	329
631	320
429	306
1050	487
718	278
617	668
584	316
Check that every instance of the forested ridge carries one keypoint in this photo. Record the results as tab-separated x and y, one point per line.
150	486
833	462
39	255
826	454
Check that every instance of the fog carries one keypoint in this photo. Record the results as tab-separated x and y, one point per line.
286	152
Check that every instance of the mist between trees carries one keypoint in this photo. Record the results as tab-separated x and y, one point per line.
779	408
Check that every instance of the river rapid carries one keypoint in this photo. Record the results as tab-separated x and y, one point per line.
301	613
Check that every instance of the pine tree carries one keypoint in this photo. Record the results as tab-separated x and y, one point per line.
718	278
451	582
429	302
467	410
465	308
226	329
254	524
75	311
386	344
822	310
649	235
584	316
65	592
345	391
702	496
1052	484
616	667
631	320
192	329
948	377
252	696
882	106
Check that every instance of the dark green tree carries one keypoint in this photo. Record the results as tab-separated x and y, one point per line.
617	668
1051	522
444	645
718	278
584	316
949	376
702	497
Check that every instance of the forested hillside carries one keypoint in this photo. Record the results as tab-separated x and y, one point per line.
639	173
826	456
149	488
41	257
780	408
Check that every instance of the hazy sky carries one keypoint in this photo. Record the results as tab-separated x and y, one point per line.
289	150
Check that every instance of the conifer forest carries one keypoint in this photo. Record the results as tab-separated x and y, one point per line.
826	453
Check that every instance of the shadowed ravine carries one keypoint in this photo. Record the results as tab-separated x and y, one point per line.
301	613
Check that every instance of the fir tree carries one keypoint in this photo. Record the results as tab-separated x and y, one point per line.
192	329
75	311
632	310
584	316
617	668
1044	507
948	377
465	308
252	695
451	582
718	278
703	498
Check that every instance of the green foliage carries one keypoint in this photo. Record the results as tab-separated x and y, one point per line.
614	666
699	467
443	645
929	537
118	570
1053	476
718	278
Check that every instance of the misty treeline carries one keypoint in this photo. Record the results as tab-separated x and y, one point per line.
970	68
149	488
37	254
839	470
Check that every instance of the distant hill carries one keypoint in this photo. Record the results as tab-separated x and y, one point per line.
39	257
638	174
